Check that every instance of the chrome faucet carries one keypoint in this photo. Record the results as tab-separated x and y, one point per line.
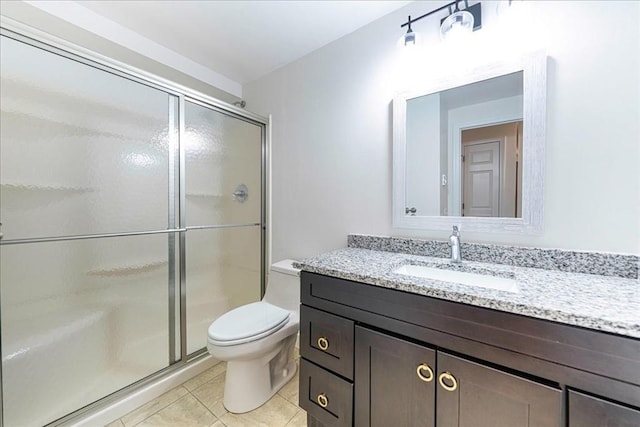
454	241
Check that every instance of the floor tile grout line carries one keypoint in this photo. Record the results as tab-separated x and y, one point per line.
294	415
164	407
175	400
152	414
210	411
205	383
205	406
297	405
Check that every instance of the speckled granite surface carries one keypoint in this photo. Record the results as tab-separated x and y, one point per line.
604	264
606	303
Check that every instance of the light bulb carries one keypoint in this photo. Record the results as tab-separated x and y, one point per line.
410	37
456	25
409	41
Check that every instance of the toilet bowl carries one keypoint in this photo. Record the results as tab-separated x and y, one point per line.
257	341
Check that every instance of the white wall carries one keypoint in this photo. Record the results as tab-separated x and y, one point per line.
332	135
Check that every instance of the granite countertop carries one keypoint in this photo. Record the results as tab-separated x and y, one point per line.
605	303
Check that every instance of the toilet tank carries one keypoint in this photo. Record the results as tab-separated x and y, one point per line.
283	286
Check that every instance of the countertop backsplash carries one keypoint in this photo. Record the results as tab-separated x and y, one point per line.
599	263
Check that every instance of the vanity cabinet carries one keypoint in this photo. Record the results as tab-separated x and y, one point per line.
373	356
406	384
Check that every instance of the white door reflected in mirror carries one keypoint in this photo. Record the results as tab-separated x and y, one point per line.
491	171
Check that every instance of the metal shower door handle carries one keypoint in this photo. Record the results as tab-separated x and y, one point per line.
241	193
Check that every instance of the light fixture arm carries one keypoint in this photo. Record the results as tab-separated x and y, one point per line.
411	21
446	6
409	30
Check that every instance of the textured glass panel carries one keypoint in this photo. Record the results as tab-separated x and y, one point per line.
223	272
82	151
80	319
221	152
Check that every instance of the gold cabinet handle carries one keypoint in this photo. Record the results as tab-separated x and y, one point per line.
323	343
424	367
447	376
322	400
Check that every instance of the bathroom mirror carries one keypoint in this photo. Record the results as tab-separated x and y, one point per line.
468	150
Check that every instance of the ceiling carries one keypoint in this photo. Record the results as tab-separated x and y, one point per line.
238	40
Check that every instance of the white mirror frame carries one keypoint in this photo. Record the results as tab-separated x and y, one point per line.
534	68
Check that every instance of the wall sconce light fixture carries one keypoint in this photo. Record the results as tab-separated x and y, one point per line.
458	21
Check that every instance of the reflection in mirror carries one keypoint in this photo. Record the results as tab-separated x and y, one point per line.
468	149
490	171
463	150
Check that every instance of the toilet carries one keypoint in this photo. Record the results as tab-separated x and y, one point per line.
257	341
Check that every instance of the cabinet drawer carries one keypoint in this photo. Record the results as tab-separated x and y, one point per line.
325	396
588	411
327	340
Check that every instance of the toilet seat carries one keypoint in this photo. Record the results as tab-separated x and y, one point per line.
247	323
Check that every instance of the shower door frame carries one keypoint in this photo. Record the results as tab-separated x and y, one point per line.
176	227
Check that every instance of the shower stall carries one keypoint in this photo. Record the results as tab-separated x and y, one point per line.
132	215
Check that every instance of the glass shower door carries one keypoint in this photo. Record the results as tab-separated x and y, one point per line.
222	214
130	219
85	257
80	319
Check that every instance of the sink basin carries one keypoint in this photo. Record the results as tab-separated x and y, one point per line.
459	277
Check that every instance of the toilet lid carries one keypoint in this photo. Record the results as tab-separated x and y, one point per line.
247	323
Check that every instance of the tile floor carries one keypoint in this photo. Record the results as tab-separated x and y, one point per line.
198	402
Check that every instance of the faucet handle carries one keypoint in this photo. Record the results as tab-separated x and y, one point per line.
456	232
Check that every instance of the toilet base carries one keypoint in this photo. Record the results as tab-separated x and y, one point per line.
250	383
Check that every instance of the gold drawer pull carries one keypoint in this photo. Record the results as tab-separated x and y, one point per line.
322	400
447	376
323	343
427	369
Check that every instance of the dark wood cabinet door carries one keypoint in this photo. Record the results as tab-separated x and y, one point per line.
588	411
474	395
394	381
